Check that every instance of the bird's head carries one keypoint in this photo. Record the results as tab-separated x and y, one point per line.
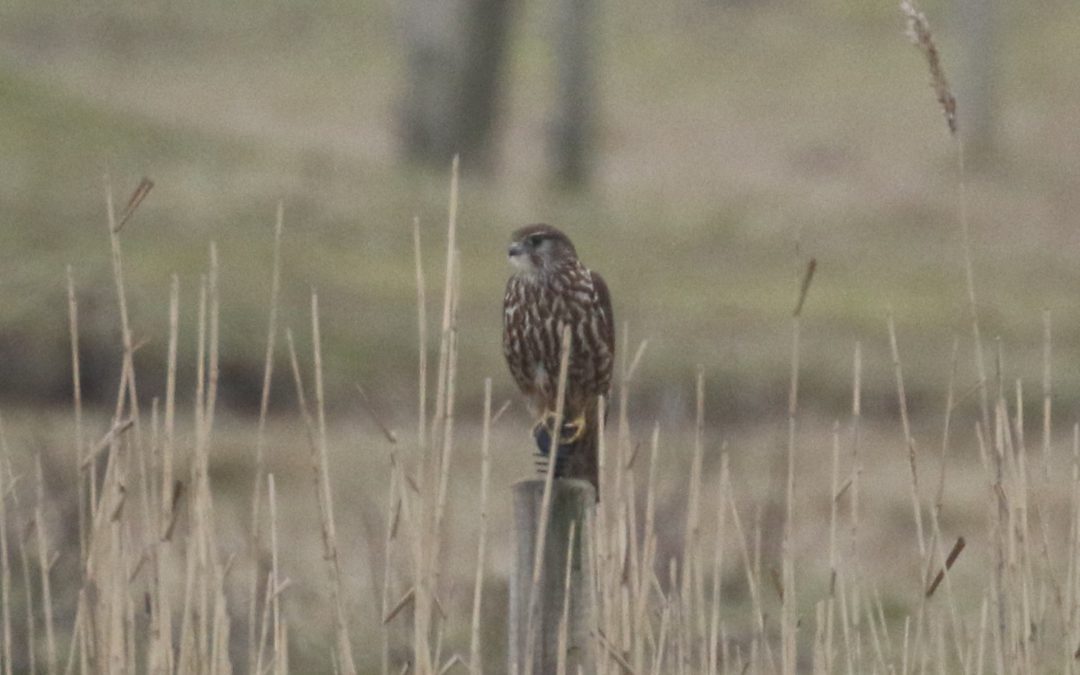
536	249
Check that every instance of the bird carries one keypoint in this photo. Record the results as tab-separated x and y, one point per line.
549	290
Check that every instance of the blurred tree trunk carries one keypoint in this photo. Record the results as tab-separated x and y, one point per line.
455	55
487	27
571	134
977	28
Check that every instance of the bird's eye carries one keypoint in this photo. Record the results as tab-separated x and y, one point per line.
535	240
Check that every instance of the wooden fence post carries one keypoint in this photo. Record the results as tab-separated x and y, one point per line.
572	502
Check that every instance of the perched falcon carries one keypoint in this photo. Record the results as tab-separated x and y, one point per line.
551	289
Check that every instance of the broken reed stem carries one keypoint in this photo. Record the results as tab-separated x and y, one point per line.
121	296
475	664
545	510
957	548
909	442
260	436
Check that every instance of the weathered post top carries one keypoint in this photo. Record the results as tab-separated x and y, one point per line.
572	504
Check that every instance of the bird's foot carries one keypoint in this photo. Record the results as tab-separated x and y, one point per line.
571	431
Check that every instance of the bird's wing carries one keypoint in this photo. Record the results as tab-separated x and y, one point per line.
602	301
605	325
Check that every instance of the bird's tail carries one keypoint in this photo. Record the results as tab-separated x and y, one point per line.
577	458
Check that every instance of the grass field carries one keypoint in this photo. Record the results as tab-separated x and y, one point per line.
688	518
723	148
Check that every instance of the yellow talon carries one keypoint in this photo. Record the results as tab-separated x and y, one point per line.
575	427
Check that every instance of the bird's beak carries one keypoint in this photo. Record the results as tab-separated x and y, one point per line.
515	249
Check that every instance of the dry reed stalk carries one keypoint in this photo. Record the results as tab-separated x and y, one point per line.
193	646
716	643
788	626
876	610
161	630
692	583
271	605
545	510
909	442
982	638
5	563
1047	392
322	480
945	565
752	582
847	631
447	428
564	620
904	659
421	327
121	294
265	621
920	35
260	436
24	560
598	553
211	575
76	395
309	426
828	611
475	663
617	516
448	303
428	524
1072	569
44	567
950	403
640	592
818	642
393	520
212	353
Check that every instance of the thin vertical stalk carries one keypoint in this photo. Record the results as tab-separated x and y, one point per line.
475	664
260	435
